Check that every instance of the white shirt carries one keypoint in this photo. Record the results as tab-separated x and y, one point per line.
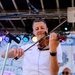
36	62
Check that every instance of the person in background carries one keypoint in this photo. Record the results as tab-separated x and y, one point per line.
66	71
37	61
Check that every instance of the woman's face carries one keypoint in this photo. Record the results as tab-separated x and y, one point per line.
39	29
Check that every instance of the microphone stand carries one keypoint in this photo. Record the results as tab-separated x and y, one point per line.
6	56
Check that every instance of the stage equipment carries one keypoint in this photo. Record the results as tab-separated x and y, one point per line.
7	49
1	38
26	38
34	38
35	10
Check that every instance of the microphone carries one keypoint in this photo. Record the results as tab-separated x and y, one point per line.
33	8
11	36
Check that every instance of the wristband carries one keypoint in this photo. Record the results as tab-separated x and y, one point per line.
53	53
